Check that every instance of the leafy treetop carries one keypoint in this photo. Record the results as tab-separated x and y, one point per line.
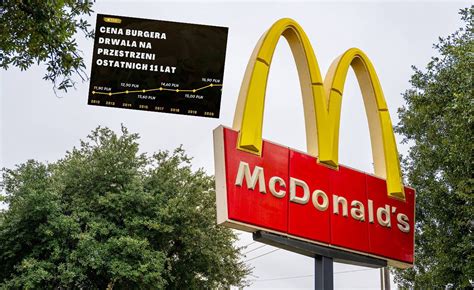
106	216
438	120
44	32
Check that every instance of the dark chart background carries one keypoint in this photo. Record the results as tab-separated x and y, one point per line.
197	52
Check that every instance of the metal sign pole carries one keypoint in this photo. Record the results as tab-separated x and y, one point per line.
323	273
324	257
384	278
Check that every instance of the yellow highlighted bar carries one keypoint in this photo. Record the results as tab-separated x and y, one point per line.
112	20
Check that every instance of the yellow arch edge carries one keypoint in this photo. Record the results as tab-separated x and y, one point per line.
322	102
384	148
248	117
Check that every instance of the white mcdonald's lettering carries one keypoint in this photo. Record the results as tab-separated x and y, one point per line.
257	175
296	199
319	198
403	223
339	200
281	193
320	206
357	210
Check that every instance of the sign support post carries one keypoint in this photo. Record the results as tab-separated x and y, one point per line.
323	273
324	257
384	278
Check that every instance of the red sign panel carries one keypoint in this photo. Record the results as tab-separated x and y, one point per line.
288	192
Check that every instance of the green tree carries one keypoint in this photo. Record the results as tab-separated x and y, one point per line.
438	121
108	217
44	32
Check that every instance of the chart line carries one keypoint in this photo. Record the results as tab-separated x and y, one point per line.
156	89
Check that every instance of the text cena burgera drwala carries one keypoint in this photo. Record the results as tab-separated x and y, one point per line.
130	54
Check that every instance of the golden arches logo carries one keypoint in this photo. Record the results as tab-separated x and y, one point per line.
321	100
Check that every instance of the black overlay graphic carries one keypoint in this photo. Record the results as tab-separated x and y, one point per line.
158	66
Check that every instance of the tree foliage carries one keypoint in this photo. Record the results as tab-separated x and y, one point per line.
108	217
44	32
438	120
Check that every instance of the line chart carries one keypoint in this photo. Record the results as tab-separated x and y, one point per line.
156	89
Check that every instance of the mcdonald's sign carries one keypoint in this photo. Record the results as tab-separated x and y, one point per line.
309	196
